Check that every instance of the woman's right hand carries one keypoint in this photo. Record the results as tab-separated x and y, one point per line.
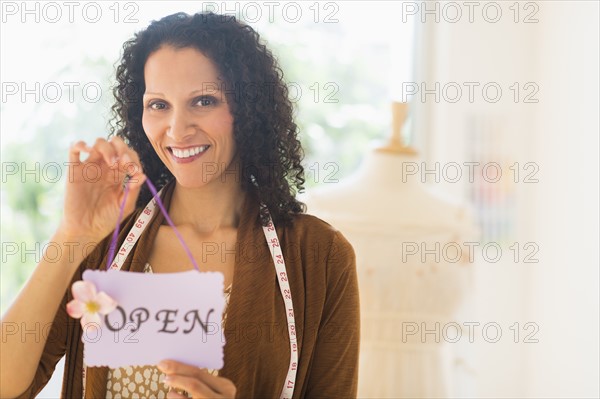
94	190
93	195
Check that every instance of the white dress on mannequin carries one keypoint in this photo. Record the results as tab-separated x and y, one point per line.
401	294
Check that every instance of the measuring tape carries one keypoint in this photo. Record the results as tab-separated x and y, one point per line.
280	269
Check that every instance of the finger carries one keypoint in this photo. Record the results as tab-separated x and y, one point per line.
105	151
132	169
119	145
134	191
175	395
76	149
129	159
217	384
194	387
175	367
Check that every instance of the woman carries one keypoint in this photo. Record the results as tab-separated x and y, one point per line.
201	111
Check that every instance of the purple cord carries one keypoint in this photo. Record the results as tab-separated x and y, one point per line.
155	195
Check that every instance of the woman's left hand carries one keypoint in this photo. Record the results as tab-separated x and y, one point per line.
197	382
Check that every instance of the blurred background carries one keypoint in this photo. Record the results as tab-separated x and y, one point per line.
474	215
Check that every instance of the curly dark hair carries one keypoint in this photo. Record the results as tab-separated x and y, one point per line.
263	127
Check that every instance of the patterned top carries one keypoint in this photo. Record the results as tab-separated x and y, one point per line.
145	381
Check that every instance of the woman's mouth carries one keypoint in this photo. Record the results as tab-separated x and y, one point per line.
188	154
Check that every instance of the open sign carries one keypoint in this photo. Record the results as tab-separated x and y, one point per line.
158	316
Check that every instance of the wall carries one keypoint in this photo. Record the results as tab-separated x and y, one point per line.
559	213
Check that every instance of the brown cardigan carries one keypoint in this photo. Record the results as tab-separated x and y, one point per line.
322	273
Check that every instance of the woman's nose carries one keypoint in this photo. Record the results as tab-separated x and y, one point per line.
180	126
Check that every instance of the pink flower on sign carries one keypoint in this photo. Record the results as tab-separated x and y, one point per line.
88	304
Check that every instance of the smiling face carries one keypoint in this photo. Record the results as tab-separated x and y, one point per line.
186	116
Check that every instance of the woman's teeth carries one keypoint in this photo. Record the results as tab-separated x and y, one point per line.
189	152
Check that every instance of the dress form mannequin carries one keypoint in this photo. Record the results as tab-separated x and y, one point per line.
385	182
385	216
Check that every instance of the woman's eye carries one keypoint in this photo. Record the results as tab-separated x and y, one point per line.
206	101
156	105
